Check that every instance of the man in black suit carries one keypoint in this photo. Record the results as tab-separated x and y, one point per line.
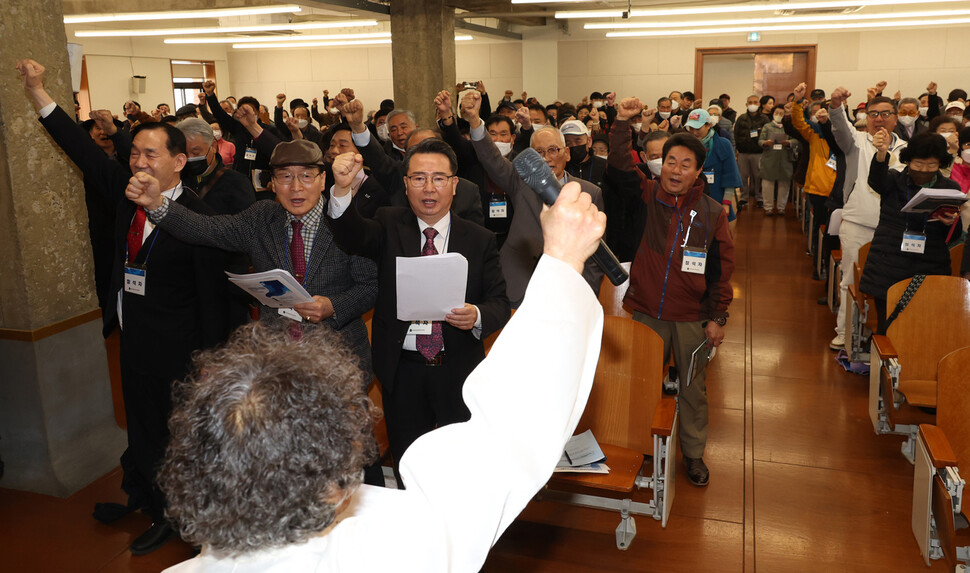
422	371
170	296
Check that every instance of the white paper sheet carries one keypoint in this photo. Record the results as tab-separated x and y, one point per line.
276	288
429	287
835	223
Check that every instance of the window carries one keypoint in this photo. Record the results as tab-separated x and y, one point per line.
187	79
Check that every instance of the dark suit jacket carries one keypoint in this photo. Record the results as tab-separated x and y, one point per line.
390	174
184	306
394	232
260	231
240	137
523	247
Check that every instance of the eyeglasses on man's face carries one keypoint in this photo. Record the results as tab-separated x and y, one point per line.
287	178
438	180
883	114
552	152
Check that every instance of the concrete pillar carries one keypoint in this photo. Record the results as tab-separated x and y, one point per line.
422	55
540	63
57	430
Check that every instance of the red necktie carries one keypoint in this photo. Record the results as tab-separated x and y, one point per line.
297	254
429	345
135	232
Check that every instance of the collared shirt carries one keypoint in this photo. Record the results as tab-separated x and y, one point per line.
311	224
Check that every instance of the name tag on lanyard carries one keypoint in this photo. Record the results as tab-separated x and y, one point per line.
250	154
710	176
136	277
419	327
498	209
694	261
914	243
831	163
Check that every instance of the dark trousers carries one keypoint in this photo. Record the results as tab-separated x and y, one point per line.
820	216
423	398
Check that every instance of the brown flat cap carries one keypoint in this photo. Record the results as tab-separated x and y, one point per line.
297	152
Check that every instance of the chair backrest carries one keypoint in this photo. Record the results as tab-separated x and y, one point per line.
861	261
956	258
611	296
953	402
627	386
935	323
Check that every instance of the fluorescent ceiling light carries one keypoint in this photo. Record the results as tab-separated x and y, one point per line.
547	1
224	29
278	39
143	16
831	18
186	62
284	45
827	27
738	8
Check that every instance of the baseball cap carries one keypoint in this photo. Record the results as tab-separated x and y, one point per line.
956	104
296	152
573	127
505	104
698	118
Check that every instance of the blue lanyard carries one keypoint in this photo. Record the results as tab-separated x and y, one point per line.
150	247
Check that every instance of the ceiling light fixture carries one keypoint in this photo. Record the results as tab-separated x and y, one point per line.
297	38
223	30
284	45
787	28
741	8
188	15
779	20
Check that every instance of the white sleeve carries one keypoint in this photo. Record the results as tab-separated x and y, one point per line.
337	206
47	109
360	139
472	479
477	133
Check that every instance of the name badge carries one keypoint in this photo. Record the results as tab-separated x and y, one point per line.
498	210
831	163
695	261
753	134
290	313
710	177
250	154
419	327
914	243
777	147
135	279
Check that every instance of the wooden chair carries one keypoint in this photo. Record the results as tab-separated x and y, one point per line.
630	419
860	323
956	258
903	370
611	296
939	519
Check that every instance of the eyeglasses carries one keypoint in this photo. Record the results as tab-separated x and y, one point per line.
883	114
286	178
551	152
439	180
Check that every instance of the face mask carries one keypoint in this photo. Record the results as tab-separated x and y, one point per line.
965	155
217	134
813	119
132	117
382	132
907	120
713	119
602	156
753	108
923	111
503	147
921	177
577	153
674	105
333	111
779	118
636	127
654	166
302	123
597	104
664	114
195	167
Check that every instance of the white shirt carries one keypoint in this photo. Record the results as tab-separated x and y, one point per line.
456	507
338	206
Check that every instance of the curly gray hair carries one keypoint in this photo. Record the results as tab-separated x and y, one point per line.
266	435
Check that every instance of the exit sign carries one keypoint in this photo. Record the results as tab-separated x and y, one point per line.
754	36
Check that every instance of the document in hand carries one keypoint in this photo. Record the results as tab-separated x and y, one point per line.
429	287
929	200
583	455
276	288
835	223
692	368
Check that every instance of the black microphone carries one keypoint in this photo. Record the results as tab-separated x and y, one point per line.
533	169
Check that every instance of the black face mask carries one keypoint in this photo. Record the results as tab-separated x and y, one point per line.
577	153
193	170
132	116
921	177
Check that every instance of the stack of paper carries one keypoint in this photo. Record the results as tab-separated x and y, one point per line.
582	455
929	200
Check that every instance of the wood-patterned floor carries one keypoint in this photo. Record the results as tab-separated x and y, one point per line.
799	482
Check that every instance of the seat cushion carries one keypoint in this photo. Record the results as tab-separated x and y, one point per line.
919	392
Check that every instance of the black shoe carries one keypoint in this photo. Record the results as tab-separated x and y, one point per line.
823	300
742	205
697	473
761	204
157	535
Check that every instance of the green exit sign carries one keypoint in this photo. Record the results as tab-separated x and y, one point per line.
754	36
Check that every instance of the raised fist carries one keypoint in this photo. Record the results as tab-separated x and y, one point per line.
631	106
470	105
209	87
522	116
280	98
104	120
31	73
799	91
839	96
442	104
353	112
931	88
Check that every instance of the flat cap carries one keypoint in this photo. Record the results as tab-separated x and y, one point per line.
297	152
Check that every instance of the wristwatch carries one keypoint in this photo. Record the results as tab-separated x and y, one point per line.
721	321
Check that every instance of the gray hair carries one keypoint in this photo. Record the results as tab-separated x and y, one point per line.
907	100
395	112
549	128
194	126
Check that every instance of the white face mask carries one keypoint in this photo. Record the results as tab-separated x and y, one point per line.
302	123
217	134
753	108
503	147
636	127
664	114
907	120
713	119
333	111
778	119
674	105
382	132
965	155
597	104
654	166
923	111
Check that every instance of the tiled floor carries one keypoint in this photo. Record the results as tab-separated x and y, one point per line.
799	481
